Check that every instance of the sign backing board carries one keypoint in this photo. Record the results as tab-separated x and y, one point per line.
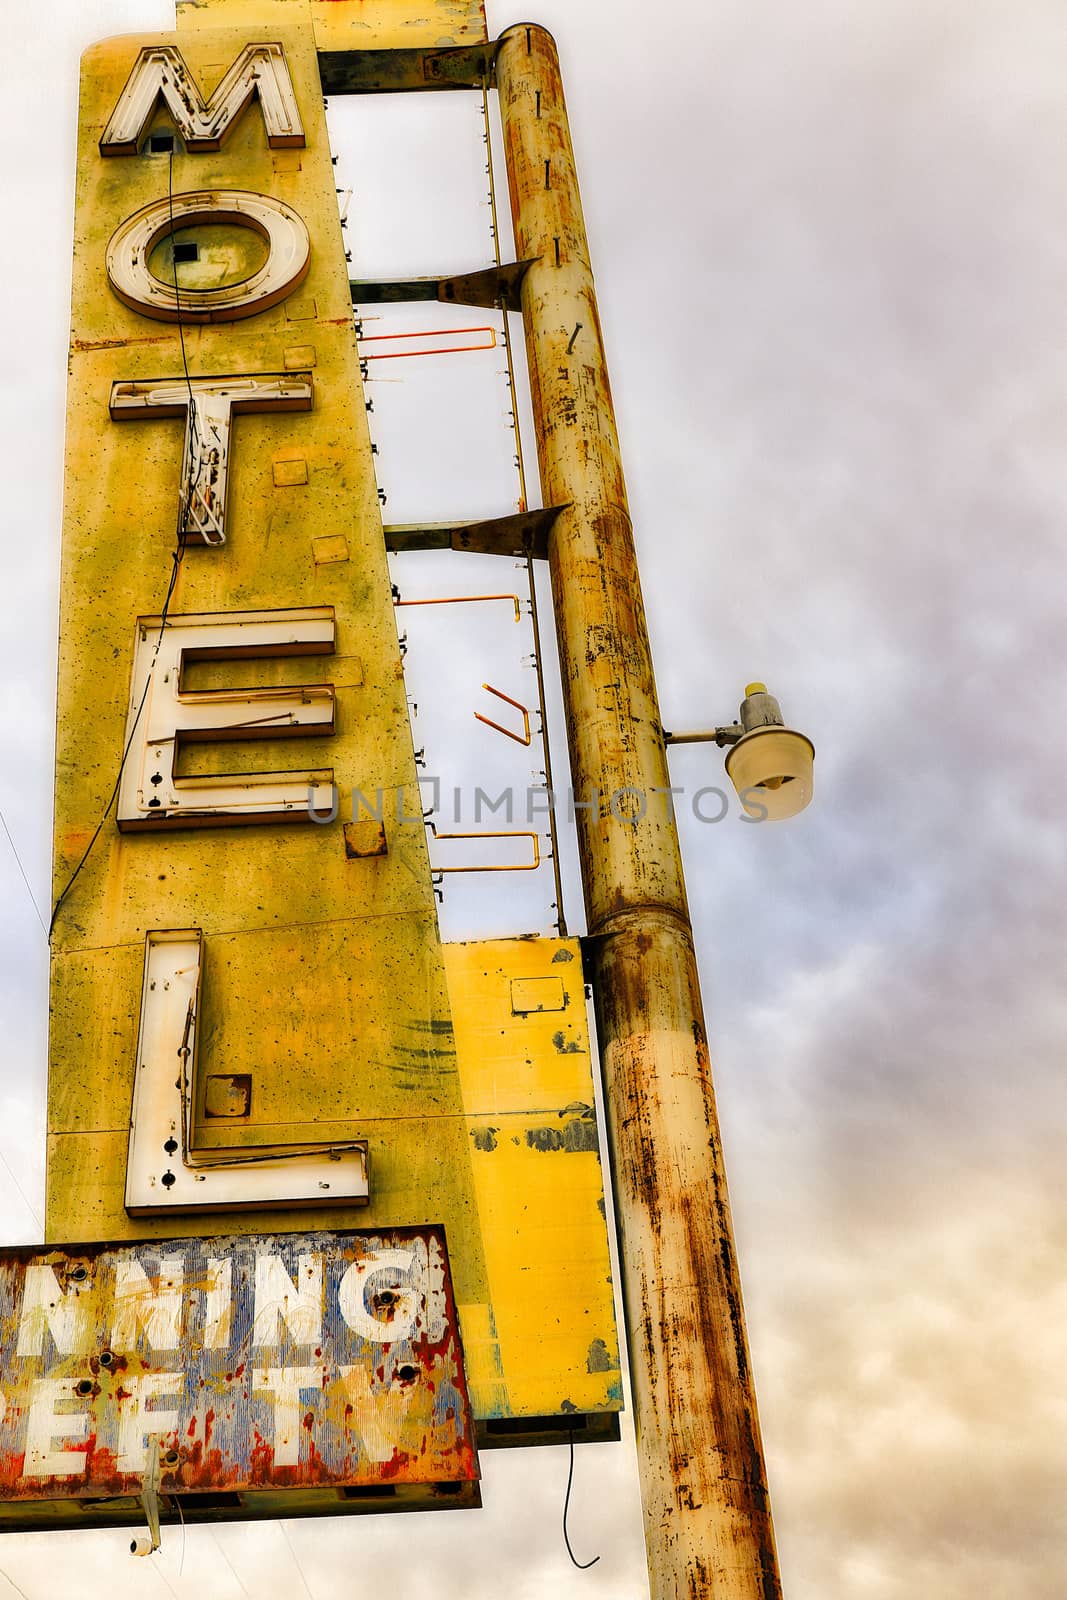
270	1374
332	1018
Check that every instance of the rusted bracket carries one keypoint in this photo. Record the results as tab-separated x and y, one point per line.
519	866
498	287
149	1501
523	533
519	738
396	71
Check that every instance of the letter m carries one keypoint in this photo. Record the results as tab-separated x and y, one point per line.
160	73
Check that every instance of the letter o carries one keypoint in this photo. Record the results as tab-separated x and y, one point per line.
724	802
132	243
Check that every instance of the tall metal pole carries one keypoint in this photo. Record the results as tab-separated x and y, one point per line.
708	1527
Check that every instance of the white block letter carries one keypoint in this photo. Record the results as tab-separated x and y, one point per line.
285	1386
218	1304
206	457
46	1305
130	249
152	794
298	1304
138	1424
160	70
45	1424
138	1305
399	1303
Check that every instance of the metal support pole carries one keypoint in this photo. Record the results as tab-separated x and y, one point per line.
707	1519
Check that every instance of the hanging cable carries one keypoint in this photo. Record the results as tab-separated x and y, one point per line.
177	557
531	576
9	1579
196	443
296	1558
181	1514
222	1552
68	886
161	1575
29	1206
581	1565
22	869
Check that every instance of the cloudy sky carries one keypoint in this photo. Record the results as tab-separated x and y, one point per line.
831	249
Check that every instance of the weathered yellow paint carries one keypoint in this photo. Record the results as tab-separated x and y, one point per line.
323	971
324	983
350	24
528	1097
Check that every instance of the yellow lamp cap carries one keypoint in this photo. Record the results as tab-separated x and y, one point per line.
755	688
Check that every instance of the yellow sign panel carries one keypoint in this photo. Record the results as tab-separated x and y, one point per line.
230	681
351	24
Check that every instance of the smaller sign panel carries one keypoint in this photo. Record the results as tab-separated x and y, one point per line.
253	1368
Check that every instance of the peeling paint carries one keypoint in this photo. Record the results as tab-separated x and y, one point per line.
350	1341
576	1135
599	1360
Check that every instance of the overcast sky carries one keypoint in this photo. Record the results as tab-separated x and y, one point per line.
831	250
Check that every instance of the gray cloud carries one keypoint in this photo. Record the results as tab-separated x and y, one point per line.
830	258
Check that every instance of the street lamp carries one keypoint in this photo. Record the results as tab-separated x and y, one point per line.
768	764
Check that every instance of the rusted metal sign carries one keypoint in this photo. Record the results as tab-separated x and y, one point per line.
248	1366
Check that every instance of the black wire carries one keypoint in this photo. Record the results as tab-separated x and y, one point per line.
176	560
177	296
187	492
581	1565
22	869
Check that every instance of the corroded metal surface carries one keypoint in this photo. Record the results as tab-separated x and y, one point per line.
366	71
349	24
707	1519
324	984
522	1039
243	1363
520	533
324	1015
489	286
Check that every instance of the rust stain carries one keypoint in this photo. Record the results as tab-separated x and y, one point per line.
381	1395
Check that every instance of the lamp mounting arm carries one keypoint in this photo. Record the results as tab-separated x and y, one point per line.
719	736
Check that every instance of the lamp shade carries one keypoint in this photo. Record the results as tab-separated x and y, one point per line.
771	769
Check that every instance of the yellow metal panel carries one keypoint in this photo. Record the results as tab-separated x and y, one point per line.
324	977
397	24
350	24
528	1093
325	1009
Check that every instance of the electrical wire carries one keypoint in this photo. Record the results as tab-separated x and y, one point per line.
174	271
177	561
162	1576
9	1579
531	574
222	1552
29	1206
181	1516
22	869
296	1558
581	1565
177	557
188	490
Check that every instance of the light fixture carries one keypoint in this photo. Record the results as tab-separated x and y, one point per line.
769	764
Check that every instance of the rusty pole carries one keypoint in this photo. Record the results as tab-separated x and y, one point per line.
708	1526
